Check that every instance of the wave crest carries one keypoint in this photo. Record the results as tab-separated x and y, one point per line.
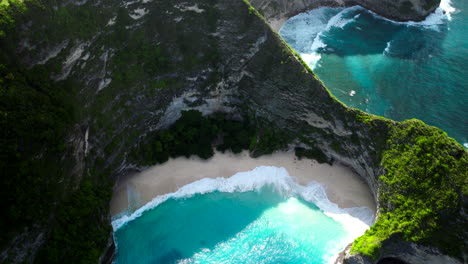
355	220
438	17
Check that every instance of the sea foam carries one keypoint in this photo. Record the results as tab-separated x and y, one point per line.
355	220
339	20
387	48
438	17
313	25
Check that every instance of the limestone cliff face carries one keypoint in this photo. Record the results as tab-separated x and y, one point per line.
144	61
400	10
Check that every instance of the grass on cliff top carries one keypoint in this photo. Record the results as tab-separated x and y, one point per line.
8	11
422	191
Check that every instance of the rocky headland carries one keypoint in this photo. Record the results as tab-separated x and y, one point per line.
278	11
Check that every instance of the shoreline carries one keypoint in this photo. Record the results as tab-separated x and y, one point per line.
276	22
343	186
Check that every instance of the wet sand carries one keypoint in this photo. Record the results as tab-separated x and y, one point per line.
343	186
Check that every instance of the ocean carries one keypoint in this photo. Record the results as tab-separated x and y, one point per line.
396	70
260	216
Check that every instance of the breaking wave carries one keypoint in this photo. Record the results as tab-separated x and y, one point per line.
305	31
438	17
313	25
354	220
387	48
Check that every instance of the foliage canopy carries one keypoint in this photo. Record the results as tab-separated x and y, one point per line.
422	191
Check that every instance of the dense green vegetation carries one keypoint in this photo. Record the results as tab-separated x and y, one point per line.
315	154
194	134
80	232
422	191
34	116
9	10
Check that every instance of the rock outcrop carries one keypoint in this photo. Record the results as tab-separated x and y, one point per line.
400	252
277	11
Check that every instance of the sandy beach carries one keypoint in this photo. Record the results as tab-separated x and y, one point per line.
343	186
276	24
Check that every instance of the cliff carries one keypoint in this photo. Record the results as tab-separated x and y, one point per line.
128	69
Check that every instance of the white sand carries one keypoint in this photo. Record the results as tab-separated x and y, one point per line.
276	24
343	186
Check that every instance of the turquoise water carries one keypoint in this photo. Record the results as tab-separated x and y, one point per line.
254	217
397	70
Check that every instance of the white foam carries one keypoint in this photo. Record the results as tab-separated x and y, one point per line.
311	59
387	48
313	25
438	17
446	6
355	220
310	25
465	145
339	21
318	43
432	21
305	27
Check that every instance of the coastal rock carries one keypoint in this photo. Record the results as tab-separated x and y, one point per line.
395	251
278	11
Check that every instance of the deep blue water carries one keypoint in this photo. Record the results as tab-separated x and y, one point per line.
260	216
397	70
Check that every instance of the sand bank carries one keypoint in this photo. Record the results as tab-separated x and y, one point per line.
343	186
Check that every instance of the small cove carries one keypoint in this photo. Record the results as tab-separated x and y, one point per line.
263	215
